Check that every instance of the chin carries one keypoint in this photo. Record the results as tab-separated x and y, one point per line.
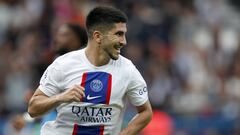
114	57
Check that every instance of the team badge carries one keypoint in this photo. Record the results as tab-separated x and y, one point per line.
96	85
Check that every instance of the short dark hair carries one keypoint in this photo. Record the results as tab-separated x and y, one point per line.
79	32
102	18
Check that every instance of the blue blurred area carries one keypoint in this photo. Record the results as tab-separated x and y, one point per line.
198	125
188	51
49	117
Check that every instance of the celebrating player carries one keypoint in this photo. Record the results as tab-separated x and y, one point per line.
89	87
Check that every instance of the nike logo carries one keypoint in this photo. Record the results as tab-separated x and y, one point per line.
91	98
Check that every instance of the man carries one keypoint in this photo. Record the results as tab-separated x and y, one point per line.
89	86
69	37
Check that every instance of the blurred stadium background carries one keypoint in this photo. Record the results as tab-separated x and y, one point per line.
187	50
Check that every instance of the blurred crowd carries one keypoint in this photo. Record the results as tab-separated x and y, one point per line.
187	50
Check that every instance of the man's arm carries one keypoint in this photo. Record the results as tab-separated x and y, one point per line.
40	103
140	120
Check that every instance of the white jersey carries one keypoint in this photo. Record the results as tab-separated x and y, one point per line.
106	89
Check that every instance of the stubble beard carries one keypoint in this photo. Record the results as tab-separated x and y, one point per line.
110	53
112	56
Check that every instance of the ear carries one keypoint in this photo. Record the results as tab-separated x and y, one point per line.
97	36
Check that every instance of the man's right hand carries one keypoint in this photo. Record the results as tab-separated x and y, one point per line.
73	94
40	103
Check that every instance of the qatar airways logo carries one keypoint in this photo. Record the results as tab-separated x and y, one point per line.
96	85
92	114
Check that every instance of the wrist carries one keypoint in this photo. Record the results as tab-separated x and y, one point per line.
58	99
27	117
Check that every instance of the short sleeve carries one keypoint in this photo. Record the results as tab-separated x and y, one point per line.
137	88
51	80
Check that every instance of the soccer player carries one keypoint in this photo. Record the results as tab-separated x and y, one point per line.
89	87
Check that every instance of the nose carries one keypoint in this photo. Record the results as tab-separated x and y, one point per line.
123	40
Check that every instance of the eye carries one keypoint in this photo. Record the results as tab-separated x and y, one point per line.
119	33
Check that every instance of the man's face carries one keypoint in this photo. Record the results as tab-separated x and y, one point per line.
66	39
114	40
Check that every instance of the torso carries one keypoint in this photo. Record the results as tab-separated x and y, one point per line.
105	89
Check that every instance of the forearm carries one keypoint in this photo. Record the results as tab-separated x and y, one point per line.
40	104
139	121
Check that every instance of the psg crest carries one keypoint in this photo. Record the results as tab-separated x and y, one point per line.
96	85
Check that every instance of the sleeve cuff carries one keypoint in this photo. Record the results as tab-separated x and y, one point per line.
40	87
140	103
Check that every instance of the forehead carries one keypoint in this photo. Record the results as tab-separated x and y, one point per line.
119	27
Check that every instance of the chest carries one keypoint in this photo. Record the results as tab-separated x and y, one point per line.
101	86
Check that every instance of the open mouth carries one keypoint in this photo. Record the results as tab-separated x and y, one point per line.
118	48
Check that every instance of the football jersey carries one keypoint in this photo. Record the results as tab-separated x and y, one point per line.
107	87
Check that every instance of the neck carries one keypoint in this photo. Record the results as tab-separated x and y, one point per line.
96	55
